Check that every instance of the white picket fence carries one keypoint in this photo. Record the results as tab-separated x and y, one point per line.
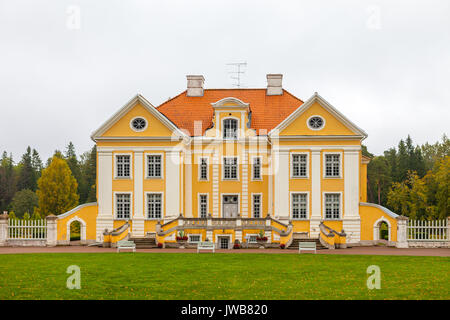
422	230
19	229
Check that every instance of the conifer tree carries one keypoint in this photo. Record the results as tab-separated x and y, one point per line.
7	181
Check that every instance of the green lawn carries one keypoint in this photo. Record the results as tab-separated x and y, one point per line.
222	276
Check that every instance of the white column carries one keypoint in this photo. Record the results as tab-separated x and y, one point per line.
138	212
351	219
215	184
105	197
402	240
245	162
3	229
270	174
172	202
316	205
51	230
281	172
188	184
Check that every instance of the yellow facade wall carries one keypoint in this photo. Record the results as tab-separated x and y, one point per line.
369	215
87	213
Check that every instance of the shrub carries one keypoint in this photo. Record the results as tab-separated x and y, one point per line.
160	245
282	246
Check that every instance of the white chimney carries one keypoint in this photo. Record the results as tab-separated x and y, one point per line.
195	85
274	84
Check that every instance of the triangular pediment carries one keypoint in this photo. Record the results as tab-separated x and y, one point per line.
335	124
119	125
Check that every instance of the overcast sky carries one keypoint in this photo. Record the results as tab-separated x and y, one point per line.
67	66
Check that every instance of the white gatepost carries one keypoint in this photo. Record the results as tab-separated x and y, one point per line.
52	231
402	235
448	230
3	229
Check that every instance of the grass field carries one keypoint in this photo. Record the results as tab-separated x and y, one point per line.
222	276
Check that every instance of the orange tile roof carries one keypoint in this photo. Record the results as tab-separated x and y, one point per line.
267	111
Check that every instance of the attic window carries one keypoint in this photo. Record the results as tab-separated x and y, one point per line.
138	124
316	123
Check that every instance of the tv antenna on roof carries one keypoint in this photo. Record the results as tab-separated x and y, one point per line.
236	75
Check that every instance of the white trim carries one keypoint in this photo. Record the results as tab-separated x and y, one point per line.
237	171
385	210
146	154
316	116
81	206
238	103
198	204
146	193
224	235
199	162
316	148
291	166
260	168
130	177
341	213
115	204
238	128
305	106
376	228
260	204
291	193
82	228
324	167
127	107
221	202
138	117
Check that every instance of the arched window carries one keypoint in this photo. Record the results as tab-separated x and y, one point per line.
230	127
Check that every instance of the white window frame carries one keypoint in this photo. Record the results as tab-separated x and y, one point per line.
146	205
199	169
260	204
249	235
341	201
137	130
292	165
115	166
252	158
316	129
291	208
115	204
223	169
237	127
199	204
146	164
195	235
340	153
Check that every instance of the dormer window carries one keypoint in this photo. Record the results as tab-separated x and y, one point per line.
230	127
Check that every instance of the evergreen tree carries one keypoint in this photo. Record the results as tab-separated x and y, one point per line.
36	163
402	161
24	201
74	165
57	188
7	181
27	176
88	166
379	179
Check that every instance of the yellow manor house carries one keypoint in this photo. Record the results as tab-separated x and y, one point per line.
255	167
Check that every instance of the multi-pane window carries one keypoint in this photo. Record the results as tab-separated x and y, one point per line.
256	206
203	205
299	205
123	166
154	205
123	205
194	238
230	127
203	169
154	168
252	239
332	206
299	165
256	168
332	165
230	168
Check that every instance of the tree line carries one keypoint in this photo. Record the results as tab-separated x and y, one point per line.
412	180
32	189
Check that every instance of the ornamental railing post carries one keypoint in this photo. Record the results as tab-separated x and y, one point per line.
402	235
51	230
3	228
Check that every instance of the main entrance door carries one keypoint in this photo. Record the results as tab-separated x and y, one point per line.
230	206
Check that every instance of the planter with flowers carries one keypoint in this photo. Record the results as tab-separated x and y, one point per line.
182	238
282	246
261	239
160	245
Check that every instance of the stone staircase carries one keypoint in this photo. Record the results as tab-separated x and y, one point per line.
144	243
294	244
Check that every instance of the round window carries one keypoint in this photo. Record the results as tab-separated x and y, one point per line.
138	124
315	122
